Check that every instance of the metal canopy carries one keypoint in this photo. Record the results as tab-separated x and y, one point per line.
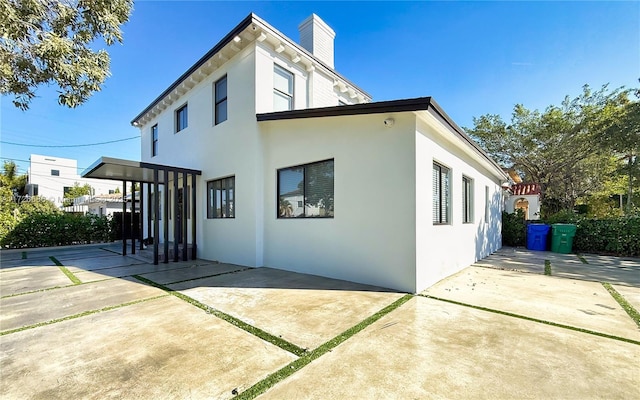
127	170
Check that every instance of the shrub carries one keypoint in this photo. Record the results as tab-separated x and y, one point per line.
57	229
618	235
513	228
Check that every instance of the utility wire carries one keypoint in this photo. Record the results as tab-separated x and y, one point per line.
69	145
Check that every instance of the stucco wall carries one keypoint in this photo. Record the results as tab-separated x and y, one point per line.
442	250
371	237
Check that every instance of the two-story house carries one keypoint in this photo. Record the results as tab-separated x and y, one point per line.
262	154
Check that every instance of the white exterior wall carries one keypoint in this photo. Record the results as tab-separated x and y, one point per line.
52	187
443	250
230	148
371	239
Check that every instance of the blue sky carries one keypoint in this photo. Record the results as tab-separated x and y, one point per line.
474	58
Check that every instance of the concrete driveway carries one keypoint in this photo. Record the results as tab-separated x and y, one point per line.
89	323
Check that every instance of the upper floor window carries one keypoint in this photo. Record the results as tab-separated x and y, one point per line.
55	172
154	140
306	190
221	198
441	195
282	89
467	200
220	111
181	118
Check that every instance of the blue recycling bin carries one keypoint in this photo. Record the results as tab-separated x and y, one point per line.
537	236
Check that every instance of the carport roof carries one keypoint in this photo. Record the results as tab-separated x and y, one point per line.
128	170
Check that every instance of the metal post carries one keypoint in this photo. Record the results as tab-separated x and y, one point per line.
184	217
124	214
166	216
140	221
175	216
193	217
133	215
156	217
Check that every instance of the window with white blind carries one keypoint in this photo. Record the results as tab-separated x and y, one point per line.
467	200
441	195
306	191
282	89
221	198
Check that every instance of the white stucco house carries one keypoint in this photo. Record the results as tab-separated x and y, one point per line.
267	156
50	177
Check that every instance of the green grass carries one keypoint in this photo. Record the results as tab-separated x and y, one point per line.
633	313
547	267
82	314
296	365
573	328
65	271
283	344
584	260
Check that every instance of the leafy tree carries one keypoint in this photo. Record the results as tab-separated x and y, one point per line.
10	179
76	191
52	41
621	136
555	148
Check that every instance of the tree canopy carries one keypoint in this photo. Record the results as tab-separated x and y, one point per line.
571	150
53	42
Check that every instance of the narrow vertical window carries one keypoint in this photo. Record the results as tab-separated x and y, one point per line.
221	198
181	118
467	200
487	204
220	111
282	89
154	140
441	195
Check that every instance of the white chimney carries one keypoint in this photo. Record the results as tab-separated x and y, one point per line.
317	37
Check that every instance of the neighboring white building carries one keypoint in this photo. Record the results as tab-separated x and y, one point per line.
295	168
50	177
526	197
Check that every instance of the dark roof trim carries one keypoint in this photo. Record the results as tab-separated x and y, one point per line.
420	103
234	32
406	105
138	167
220	45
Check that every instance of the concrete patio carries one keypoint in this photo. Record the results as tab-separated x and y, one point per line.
198	329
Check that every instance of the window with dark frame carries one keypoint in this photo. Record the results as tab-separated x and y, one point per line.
467	200
55	172
154	140
220	100
181	118
441	194
282	89
221	198
306	191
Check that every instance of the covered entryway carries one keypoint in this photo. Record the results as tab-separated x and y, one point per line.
156	181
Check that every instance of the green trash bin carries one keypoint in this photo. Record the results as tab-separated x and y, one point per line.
562	237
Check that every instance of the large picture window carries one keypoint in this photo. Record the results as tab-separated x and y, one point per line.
441	193
221	198
282	89
467	200
181	118
220	100
306	191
